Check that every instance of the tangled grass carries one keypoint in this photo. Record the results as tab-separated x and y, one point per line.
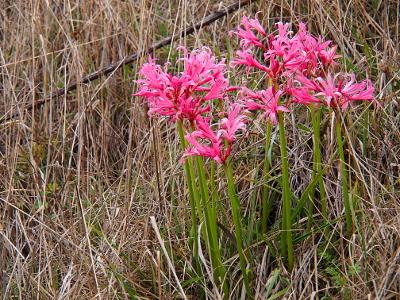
83	175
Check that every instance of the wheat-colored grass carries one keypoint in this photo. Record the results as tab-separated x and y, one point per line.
82	174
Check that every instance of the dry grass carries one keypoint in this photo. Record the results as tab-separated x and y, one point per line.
81	175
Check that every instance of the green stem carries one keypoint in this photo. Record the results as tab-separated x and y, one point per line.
286	241
199	202
346	199
193	232
213	212
266	202
212	228
238	226
193	199
317	167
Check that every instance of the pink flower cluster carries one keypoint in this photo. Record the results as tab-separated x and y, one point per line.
264	100
298	66
284	55
185	97
334	92
216	147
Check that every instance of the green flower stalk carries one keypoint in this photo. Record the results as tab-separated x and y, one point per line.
193	200
317	167
266	204
235	206
344	173
286	241
217	144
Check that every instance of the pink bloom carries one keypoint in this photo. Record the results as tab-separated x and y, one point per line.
248	60
217	90
275	67
315	51
265	100
214	151
155	76
183	96
247	35
328	56
232	123
335	91
281	42
212	143
201	66
255	24
213	148
286	55
283	32
302	96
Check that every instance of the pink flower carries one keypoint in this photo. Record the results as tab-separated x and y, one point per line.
247	35
285	55
317	56
302	96
155	76
232	123
213	149
201	66
248	60
328	56
337	91
280	43
283	32
217	90
265	100
213	143
183	96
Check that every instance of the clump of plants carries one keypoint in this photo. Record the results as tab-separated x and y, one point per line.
298	69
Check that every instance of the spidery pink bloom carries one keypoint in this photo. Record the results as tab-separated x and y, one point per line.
208	143
212	149
248	60
234	122
183	96
302	96
337	91
286	54
280	43
246	34
317	57
264	100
